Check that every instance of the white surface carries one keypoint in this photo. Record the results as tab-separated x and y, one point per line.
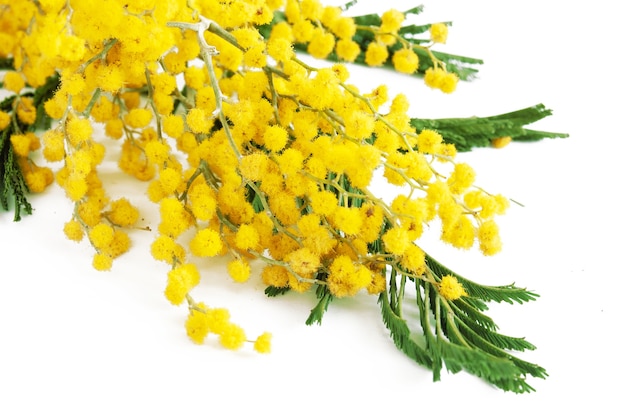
77	342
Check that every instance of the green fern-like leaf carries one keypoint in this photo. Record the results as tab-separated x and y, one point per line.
467	339
325	297
273	291
12	183
508	293
467	307
401	334
471	132
457	334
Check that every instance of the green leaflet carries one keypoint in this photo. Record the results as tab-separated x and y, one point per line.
325	297
508	293
12	184
471	132
457	334
273	291
401	334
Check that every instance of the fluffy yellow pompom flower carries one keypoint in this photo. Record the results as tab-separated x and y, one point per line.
247	237
53	145
13	81
396	240
429	141
198	121
138	117
500	142
347	219
123	213
203	202
20	144
206	243
110	78
346	278
101	235
5	119
461	178
157	152
489	238
450	288
275	138
114	128
347	50
457	230
413	259
449	82
438	78
391	21
169	180
276	276
164	248
197	324
218	319
239	270
78	130
255	57
195	77
263	343
119	245
73	230
254	166
232	336
344	27
303	261
73	83
180	281
102	262
280	49
174	217
26	111
322	44
405	61
439	32
376	54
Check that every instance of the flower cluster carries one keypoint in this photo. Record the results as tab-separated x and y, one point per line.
249	152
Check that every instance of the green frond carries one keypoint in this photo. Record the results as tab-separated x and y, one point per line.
401	334
12	183
414	10
273	291
457	351
408	30
466	309
476	304
470	132
507	293
325	297
457	335
433	346
500	372
471	329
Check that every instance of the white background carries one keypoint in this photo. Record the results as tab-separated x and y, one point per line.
77	342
